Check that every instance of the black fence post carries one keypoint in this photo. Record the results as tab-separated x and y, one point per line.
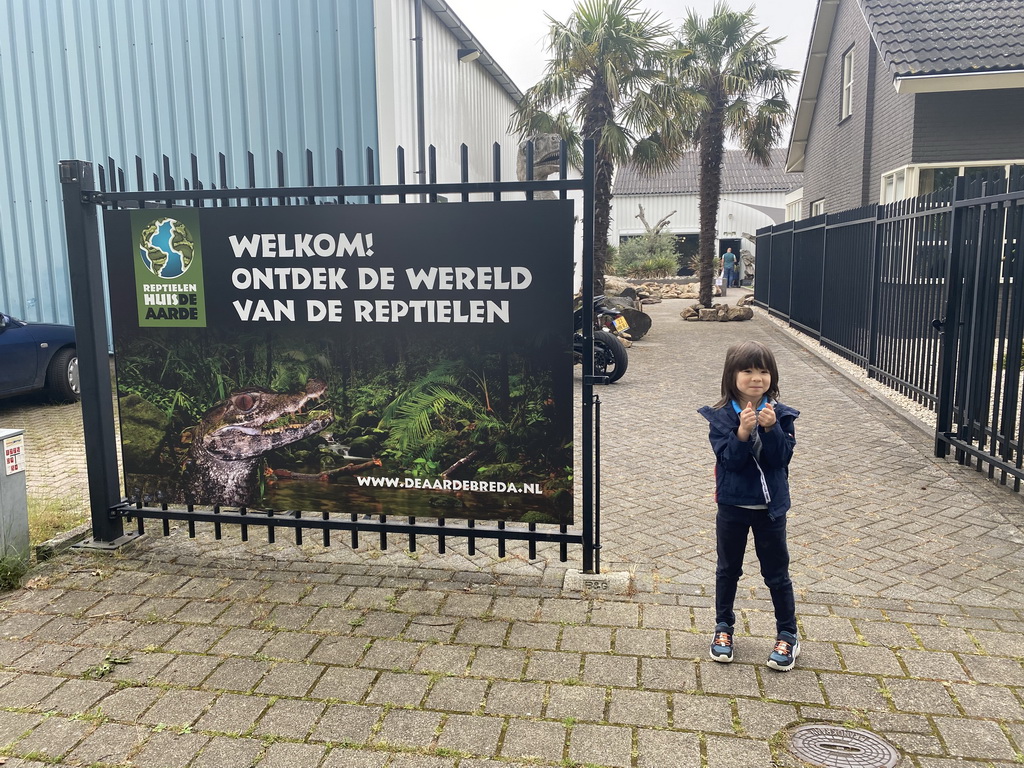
874	289
949	326
86	270
587	277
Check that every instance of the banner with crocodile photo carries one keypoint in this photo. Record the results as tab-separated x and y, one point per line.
373	359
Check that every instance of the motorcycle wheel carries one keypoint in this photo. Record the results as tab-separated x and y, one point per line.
609	357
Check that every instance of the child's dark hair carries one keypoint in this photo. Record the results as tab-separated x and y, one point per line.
747	354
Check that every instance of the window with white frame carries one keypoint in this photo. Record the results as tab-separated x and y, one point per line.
894	186
846	106
818	207
793	210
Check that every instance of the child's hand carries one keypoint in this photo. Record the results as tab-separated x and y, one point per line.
748	422
766	417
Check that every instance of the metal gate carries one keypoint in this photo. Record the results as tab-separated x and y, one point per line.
110	511
979	412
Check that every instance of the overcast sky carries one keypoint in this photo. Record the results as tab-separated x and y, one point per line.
515	32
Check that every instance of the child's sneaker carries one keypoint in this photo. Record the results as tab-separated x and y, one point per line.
783	656
721	644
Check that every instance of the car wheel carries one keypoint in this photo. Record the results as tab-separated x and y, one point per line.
62	376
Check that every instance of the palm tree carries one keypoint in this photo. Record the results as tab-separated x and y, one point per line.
606	79
736	91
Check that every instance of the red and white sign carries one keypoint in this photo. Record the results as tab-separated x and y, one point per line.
14	454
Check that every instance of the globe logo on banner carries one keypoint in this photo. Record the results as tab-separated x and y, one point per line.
166	247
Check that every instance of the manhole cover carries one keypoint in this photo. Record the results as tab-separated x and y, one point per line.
831	746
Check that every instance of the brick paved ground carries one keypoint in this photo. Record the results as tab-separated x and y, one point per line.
182	652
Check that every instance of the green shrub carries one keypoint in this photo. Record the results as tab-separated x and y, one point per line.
643	253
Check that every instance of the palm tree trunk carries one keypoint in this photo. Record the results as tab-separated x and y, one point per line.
711	150
602	219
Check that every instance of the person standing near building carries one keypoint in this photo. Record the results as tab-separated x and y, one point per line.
729	276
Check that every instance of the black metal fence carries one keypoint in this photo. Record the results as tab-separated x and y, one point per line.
110	510
925	294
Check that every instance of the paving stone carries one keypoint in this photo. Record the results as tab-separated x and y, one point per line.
283	755
706	714
666	617
610	670
188	670
498	662
342	757
127	704
399	689
392	654
407	728
587	639
289	719
522	699
290	679
762	720
732	679
241	642
168	750
54	737
726	752
467	605
228	752
990	669
344	651
238	675
556	666
660	749
886	634
347	723
639	708
479	632
454	694
233	713
929	665
526	635
797	685
829	629
988	701
177	709
669	674
641	642
381	624
854	692
871	660
920	696
194	639
29	691
526	739
946	639
579	702
981	739
343	684
601	745
475	735
75	696
615	614
110	743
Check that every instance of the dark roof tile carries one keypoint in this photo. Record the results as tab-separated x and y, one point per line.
738	175
926	37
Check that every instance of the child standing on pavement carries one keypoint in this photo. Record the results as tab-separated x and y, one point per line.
753	439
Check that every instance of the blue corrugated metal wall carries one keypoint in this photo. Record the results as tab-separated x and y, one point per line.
120	78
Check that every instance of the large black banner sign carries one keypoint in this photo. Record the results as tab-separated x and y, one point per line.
388	359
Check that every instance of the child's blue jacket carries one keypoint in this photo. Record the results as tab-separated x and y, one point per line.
740	478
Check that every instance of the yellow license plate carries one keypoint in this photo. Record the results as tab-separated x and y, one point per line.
621	325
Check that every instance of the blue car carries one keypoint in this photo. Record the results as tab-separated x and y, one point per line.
37	356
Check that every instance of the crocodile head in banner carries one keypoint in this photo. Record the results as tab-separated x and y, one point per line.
223	461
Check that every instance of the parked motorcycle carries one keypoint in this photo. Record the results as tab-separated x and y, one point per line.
610	358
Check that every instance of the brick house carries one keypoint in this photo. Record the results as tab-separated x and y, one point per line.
901	96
